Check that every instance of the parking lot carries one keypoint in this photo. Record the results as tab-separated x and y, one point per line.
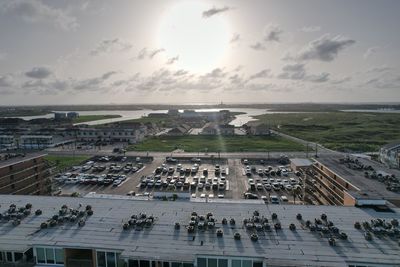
194	178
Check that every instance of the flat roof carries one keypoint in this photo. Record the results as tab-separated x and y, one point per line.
372	188
103	230
15	160
301	162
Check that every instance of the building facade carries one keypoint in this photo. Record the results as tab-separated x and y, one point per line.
28	175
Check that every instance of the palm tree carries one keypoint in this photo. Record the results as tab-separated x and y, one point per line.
296	191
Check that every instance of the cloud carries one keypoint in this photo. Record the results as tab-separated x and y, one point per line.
172	60
311	29
180	72
39	73
370	52
342	80
154	52
261	74
6	80
111	45
379	69
258	46
272	33
325	48
34	11
149	54
214	11
392	82
235	38
298	72
96	83
2	55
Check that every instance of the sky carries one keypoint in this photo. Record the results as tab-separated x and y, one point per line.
61	52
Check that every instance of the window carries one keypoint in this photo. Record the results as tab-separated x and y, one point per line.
246	263
1	256
111	259
236	263
211	263
41	258
144	264
59	255
50	256
165	264
189	265
9	256
257	264
222	263
175	264
201	262
18	256
133	263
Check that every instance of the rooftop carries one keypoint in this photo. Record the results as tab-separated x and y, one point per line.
18	159
370	187
103	230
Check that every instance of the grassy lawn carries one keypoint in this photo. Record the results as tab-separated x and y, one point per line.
63	162
86	118
343	131
194	143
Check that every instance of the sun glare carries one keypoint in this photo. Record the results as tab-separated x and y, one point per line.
199	42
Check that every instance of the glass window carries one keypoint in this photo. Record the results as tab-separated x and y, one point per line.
153	264
1	256
165	264
190	265
59	255
50	256
257	264
201	262
236	263
223	263
212	263
246	263
175	264
40	255
133	263
18	256
111	259
144	264
101	259
9	256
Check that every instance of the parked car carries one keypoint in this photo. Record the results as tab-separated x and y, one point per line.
274	199
250	196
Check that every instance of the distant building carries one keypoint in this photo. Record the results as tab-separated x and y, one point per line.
60	115
72	115
180	130
173	112
259	129
36	141
7	142
109	134
390	155
218	129
24	175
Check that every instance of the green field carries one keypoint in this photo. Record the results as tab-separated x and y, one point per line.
86	118
64	162
198	143
343	131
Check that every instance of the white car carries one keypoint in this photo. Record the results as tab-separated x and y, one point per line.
288	187
194	195
117	182
284	198
260	186
203	196
221	196
211	196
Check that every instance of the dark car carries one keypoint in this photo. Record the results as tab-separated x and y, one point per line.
250	196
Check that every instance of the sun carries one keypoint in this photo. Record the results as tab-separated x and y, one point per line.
200	43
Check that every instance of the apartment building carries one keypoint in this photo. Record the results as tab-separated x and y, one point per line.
111	232
119	134
390	155
332	181
24	175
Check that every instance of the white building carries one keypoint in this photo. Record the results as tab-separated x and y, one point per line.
390	155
